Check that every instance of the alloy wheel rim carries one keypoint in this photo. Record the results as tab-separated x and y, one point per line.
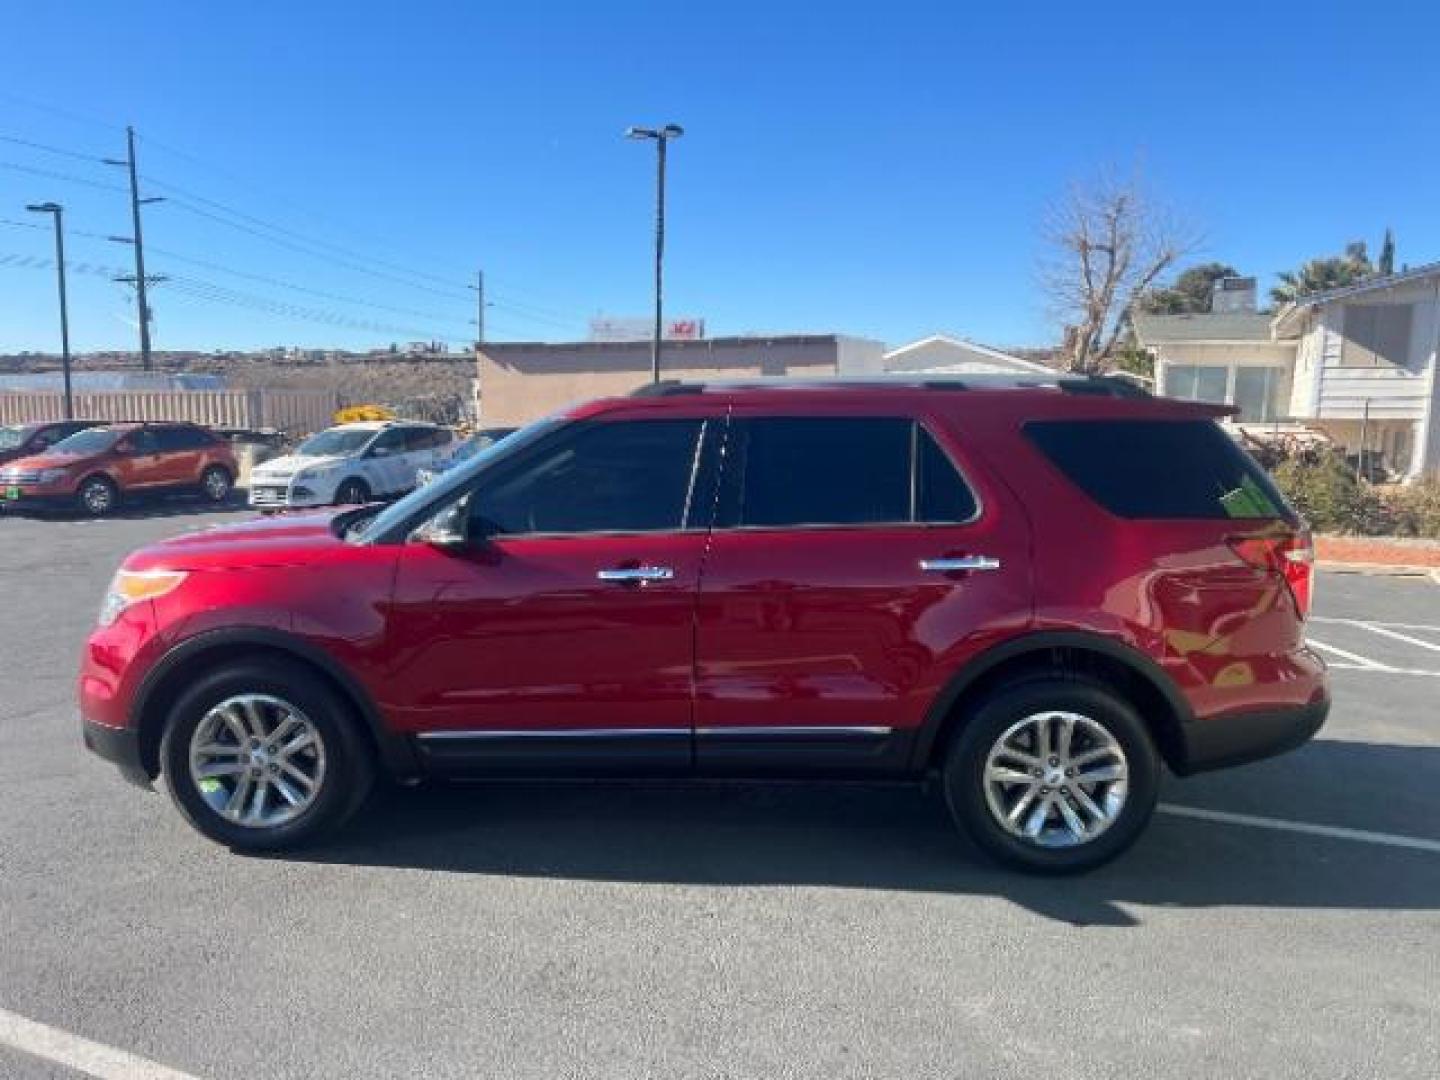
258	761
1056	779
97	498
217	485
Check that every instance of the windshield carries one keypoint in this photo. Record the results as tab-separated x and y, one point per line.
11	437
337	442
480	441
435	494
90	441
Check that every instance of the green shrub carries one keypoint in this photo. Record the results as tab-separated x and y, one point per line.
1415	510
1322	486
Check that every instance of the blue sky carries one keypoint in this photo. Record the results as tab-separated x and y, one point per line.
872	169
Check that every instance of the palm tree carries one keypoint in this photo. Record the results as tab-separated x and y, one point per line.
1321	275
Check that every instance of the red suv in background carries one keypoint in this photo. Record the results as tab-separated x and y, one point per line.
94	470
1041	593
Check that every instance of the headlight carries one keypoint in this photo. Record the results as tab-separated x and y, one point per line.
50	476
314	472
131	586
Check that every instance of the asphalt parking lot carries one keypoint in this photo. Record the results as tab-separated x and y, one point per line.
1279	920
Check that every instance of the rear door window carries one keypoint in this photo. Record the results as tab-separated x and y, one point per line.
790	472
1160	468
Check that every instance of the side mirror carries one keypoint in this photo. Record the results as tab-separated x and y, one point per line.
450	528
379	451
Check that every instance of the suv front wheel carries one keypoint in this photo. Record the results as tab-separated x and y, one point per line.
1053	775
264	756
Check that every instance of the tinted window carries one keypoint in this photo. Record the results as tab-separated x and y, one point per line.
180	438
1159	468
420	438
630	476
392	441
143	441
791	471
817	471
941	496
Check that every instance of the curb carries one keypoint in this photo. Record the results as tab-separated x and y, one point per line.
1379	569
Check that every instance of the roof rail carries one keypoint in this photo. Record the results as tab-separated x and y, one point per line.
667	388
1105	385
1098	385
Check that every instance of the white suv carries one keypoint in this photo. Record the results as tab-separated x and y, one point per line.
351	463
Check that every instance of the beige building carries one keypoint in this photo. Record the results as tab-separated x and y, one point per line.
523	381
1228	358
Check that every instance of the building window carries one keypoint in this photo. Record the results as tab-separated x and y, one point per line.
1197	382
1255	392
1376	335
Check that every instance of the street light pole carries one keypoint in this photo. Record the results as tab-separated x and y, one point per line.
662	137
58	212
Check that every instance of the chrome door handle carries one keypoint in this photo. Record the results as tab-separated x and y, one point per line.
637	573
960	564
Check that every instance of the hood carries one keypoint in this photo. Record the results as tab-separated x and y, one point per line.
285	540
48	460
290	464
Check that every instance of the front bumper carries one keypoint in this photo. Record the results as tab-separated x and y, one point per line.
120	746
34	496
1218	742
278	495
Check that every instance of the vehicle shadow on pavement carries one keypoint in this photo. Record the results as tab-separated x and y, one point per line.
898	838
139	508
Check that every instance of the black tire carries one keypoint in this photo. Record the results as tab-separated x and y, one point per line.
216	485
965	766
352	492
349	766
98	496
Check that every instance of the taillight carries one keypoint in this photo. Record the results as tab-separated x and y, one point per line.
1292	555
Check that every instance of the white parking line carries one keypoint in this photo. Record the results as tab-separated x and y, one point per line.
1334	832
1355	658
72	1051
1364	663
1385	631
1370	623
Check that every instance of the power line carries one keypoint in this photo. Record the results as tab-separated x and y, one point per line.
289	239
51	174
199	289
247	275
61	151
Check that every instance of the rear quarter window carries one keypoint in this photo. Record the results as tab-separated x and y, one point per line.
1160	468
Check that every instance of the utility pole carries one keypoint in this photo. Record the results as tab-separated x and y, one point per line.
662	137
58	212
137	238
479	288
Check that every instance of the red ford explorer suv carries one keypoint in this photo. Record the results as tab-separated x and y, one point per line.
1041	594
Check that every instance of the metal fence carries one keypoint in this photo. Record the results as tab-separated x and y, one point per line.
291	411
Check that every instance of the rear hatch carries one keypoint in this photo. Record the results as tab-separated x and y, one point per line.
1223	564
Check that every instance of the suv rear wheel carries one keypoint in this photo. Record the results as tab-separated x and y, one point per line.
264	757
1053	775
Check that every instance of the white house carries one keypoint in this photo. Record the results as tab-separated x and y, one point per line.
940	354
1365	366
1358	363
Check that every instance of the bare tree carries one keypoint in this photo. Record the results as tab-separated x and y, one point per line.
1106	243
